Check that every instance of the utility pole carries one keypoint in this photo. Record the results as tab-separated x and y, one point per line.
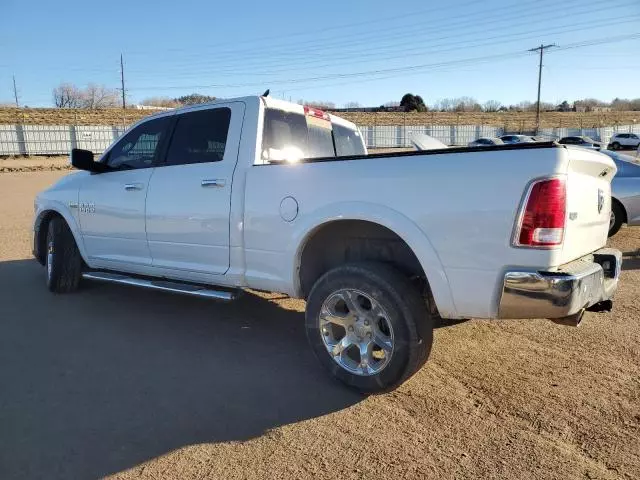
124	104
15	92
541	48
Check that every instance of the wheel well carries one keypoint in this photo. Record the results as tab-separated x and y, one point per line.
624	211
342	241
41	232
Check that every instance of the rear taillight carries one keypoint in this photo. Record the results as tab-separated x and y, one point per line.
542	221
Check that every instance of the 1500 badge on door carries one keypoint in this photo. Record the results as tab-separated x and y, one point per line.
84	207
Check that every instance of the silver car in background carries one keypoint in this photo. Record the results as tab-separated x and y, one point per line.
486	142
581	141
510	139
625	192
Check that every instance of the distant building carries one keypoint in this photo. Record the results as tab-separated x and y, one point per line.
150	107
592	108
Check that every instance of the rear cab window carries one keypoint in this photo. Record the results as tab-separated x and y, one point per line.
294	136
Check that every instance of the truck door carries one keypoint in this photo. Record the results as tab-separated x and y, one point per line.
189	196
111	204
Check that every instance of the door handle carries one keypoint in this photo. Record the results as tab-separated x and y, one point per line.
133	186
213	182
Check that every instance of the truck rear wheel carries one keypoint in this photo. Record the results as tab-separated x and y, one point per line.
617	218
63	260
369	326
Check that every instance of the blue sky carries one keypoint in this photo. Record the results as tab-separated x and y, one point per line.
369	52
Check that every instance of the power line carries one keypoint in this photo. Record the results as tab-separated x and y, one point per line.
315	32
370	38
421	51
373	40
225	65
389	70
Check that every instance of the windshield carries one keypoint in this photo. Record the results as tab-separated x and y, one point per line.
289	136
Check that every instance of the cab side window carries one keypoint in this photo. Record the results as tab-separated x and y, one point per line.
140	147
199	137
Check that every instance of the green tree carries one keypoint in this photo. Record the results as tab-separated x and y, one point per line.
413	103
194	99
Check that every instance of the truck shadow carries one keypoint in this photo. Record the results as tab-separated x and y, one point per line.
631	260
101	381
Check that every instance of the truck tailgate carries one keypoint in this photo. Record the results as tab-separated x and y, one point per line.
589	176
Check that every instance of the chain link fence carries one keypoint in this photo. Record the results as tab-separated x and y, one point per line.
21	139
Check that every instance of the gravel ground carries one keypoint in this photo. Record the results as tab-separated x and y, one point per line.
138	384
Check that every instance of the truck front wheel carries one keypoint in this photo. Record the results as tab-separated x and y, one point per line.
369	326
63	260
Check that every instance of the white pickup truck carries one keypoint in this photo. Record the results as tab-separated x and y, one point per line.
263	194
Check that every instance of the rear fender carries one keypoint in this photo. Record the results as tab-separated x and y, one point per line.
402	226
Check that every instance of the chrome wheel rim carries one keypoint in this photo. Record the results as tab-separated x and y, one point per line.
612	220
49	259
356	332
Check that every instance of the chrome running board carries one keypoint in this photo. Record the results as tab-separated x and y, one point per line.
163	285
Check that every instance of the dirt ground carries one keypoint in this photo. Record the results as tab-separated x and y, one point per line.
137	384
34	163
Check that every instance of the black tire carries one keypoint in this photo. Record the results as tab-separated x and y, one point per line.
407	313
618	214
615	146
62	258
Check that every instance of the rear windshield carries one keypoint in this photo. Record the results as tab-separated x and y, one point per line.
289	136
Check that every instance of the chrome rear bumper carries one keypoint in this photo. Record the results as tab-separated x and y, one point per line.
565	292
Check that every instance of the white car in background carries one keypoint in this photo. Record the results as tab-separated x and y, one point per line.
510	139
624	140
486	142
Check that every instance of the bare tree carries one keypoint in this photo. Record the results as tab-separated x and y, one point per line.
622	104
352	105
324	105
67	95
99	96
525	106
491	106
444	105
466	104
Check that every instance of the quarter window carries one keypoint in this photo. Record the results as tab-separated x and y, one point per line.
199	137
348	141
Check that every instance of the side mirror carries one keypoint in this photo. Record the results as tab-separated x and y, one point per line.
83	160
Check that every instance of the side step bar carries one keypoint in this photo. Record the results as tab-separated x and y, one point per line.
163	285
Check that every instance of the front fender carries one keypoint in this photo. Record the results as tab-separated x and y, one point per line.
44	210
387	217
